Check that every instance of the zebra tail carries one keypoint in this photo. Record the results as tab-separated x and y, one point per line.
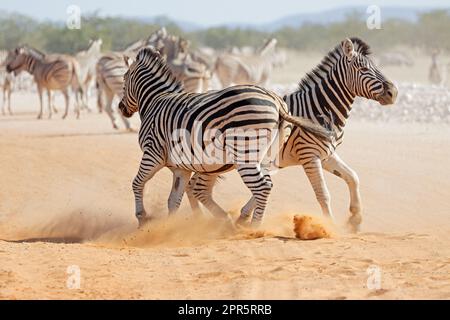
307	125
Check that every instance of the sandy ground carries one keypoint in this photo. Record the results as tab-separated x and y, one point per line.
66	205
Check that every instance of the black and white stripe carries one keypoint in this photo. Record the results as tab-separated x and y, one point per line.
164	108
110	69
325	96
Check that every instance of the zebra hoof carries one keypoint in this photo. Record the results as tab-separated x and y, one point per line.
243	221
39	117
255	224
143	219
354	223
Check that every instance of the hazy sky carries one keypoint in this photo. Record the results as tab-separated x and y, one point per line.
203	12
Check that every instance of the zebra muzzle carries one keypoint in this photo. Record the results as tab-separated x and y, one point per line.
124	110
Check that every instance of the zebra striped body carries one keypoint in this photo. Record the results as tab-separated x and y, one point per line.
325	95
165	108
110	69
55	72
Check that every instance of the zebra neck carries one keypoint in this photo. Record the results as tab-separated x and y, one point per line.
148	99
31	64
324	99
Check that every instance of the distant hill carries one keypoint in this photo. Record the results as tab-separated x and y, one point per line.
297	20
340	14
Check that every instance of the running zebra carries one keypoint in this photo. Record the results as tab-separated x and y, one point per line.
178	128
54	72
325	94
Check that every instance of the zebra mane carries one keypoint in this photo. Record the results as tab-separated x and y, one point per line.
147	56
331	58
34	52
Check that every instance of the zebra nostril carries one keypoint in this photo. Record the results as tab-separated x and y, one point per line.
389	92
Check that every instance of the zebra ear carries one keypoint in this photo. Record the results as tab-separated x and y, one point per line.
128	61
348	48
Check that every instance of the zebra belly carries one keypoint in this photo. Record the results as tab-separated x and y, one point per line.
59	80
206	168
300	149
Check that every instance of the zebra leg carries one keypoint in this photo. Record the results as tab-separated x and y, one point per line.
99	98
202	191
247	210
314	171
339	168
126	122
67	102
39	88
77	106
180	181
260	185
4	101
109	111
148	168
190	193
250	206
55	110
49	98
86	100
9	101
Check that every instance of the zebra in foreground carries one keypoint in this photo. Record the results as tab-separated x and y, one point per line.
326	93
54	72
165	108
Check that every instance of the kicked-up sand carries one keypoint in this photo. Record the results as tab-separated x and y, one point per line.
67	228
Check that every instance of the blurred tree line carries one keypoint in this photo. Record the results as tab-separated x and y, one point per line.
429	32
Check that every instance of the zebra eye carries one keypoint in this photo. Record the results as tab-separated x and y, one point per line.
364	69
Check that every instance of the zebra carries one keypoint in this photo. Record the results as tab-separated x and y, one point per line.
111	67
87	60
151	89
325	94
8	80
54	72
247	69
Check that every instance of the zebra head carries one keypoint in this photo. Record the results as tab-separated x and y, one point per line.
19	59
362	76
148	71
